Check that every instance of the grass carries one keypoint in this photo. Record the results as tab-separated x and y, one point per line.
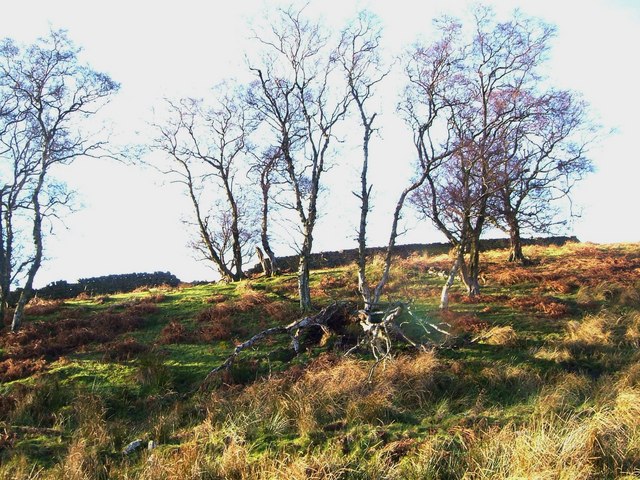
551	391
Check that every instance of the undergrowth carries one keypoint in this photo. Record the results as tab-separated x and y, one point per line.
550	389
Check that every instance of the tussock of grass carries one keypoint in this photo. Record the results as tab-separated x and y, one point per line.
566	393
601	443
594	330
505	336
557	354
632	331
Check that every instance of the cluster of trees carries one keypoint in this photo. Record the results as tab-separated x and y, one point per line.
45	95
495	146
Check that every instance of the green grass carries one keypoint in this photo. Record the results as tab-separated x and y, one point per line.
561	385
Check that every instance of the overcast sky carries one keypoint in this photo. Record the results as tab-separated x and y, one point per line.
130	219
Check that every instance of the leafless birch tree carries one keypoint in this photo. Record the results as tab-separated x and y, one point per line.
54	93
359	56
299	94
204	143
17	169
267	168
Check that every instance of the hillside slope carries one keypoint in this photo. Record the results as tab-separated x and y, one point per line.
552	392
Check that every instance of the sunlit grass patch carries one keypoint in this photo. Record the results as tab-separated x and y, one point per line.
549	389
504	336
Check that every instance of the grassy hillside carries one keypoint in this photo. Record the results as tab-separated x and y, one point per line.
553	391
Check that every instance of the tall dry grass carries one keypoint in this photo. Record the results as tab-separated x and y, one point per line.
331	389
91	439
577	428
601	441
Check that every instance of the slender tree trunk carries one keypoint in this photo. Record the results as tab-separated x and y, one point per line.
6	254
271	258
473	286
264	262
225	273
365	191
5	262
5	294
27	291
4	304
465	277
303	269
237	273
303	283
444	296
377	292
264	229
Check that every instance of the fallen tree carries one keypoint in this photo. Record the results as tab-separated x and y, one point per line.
334	317
378	332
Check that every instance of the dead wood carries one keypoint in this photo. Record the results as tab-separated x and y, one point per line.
26	429
329	319
380	330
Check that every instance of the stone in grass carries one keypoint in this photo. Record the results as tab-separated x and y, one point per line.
132	447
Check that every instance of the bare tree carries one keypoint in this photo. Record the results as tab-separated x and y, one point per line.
54	92
19	165
543	156
297	93
500	59
266	167
427	107
358	54
206	143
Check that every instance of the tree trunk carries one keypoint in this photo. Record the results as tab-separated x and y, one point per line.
19	311
225	274
264	238
444	296
393	235
27	291
265	185
473	285
515	244
303	283
264	261
5	292
236	246
365	191
6	256
463	268
271	259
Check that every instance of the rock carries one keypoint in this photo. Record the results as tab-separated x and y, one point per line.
132	447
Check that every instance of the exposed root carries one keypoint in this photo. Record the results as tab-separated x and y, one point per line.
381	330
324	319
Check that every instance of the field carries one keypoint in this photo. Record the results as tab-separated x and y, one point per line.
551	391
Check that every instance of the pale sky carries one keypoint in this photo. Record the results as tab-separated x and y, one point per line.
130	220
